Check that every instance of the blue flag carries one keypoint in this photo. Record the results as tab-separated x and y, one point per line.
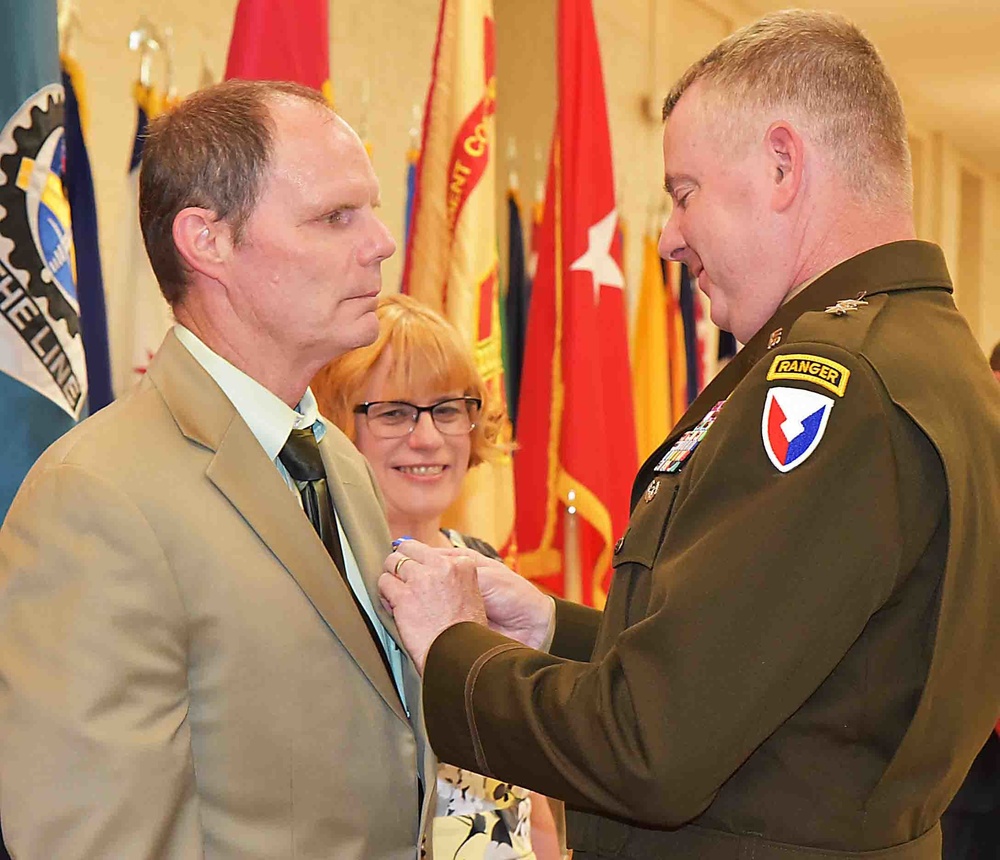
516	307
727	346
412	159
687	299
43	378
89	279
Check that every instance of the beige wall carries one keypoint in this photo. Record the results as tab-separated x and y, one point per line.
201	30
383	48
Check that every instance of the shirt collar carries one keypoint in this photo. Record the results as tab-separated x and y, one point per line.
268	417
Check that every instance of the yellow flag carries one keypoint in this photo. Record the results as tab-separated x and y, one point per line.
451	257
650	376
676	355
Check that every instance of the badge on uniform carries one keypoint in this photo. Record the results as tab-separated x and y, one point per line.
816	369
684	447
793	425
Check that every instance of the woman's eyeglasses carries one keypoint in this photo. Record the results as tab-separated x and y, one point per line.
392	419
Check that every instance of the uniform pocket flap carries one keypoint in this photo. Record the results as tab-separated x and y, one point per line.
644	535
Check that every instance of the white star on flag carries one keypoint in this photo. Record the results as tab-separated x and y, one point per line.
597	259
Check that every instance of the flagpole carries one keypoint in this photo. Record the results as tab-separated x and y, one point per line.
572	575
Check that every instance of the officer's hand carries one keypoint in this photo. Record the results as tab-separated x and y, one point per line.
427	591
515	608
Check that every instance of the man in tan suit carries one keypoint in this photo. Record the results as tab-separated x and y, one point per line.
185	672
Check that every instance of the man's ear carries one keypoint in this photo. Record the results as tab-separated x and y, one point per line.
785	152
203	241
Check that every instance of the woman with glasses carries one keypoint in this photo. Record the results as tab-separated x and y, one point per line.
417	408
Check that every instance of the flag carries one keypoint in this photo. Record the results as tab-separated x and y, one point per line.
537	211
727	347
707	334
650	371
621	237
43	375
576	429
138	315
412	159
83	209
686	299
451	256
275	41
518	299
676	353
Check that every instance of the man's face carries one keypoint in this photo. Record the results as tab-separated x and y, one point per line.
307	273
722	225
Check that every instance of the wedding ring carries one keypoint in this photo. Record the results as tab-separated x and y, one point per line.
399	564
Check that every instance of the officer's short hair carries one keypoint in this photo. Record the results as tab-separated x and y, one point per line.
819	71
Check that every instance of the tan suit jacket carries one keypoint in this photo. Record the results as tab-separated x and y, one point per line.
183	673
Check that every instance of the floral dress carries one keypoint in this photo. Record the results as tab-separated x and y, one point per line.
477	817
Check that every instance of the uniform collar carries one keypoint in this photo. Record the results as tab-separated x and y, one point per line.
906	265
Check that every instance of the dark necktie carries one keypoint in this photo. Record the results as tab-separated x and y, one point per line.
301	457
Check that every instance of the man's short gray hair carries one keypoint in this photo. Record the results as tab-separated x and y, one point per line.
827	78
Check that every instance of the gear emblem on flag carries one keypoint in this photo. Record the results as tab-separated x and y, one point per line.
37	267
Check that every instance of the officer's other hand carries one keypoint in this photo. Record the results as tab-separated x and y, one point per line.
514	607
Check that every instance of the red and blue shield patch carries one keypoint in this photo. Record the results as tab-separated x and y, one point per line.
793	424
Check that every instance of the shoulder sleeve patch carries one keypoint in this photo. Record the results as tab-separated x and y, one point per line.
811	368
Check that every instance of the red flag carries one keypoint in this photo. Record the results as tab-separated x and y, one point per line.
280	41
576	430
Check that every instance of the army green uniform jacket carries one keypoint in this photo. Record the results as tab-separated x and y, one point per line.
799	654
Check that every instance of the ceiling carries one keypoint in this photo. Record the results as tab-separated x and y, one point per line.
945	58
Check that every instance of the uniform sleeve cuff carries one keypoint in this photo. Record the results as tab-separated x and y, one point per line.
575	631
453	664
551	630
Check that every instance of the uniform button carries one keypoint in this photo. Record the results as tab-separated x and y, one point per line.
620	542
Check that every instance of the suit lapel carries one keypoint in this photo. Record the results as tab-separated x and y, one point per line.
363	523
242	472
367	532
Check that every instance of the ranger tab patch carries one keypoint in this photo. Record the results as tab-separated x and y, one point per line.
811	368
793	424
